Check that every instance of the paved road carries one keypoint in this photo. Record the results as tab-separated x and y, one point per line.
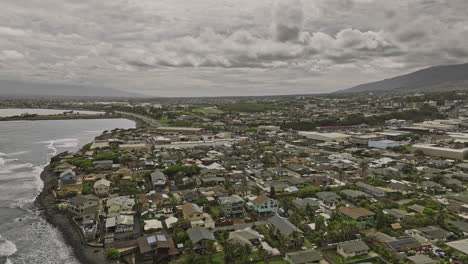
143	118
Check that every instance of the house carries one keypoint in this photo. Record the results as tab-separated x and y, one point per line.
382	237
462	226
287	229
431	187
283	225
193	214
404	188
405	244
304	203
319	180
306	256
246	236
68	177
158	179
212	181
328	199
416	208
232	206
121	226
171	221
84	205
459	246
63	167
352	248
264	205
397	213
372	190
243	190
124	223
200	237
153	224
102	187
420	259
103	165
354	194
432	234
157	247
120	204
455	185
364	217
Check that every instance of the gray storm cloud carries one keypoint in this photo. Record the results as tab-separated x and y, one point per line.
288	20
144	42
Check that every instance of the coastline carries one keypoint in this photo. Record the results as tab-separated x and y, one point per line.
45	201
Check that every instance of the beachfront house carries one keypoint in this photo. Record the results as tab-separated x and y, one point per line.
68	177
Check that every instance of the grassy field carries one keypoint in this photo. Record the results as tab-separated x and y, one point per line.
207	111
250	108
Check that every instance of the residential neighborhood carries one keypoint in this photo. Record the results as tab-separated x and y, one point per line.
376	181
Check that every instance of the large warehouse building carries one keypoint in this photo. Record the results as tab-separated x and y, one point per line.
449	153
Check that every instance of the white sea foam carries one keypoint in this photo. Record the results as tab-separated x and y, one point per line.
38	186
68	145
26	185
60	140
20	166
51	147
7	248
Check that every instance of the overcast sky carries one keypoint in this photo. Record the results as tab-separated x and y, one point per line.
227	47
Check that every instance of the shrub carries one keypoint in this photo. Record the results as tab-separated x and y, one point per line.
113	254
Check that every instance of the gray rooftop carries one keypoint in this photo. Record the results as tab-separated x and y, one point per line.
283	225
305	256
353	246
199	233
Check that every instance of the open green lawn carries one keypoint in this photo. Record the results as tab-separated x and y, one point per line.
207	111
249	108
164	122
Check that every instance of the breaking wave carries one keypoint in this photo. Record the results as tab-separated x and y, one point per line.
7	248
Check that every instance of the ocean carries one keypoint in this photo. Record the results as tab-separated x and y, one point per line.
25	149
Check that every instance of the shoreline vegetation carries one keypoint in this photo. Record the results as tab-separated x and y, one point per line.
46	202
33	117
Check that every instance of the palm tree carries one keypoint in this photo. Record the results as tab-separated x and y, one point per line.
296	238
246	251
210	250
222	236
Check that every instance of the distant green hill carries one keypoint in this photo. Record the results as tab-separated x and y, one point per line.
438	78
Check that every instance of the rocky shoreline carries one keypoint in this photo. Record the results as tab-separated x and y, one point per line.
46	202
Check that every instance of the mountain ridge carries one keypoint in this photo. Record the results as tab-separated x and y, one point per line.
429	78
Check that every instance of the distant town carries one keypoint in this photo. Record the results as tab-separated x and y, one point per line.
277	179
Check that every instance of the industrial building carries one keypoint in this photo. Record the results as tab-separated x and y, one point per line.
327	137
449	153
